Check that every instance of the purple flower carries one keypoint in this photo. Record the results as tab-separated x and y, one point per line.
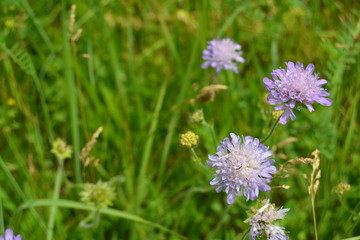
220	54
261	222
243	167
293	85
9	235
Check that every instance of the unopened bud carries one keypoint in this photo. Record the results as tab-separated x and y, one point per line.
342	188
189	139
60	149
197	116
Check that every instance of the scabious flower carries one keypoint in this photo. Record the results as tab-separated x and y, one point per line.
295	85
221	54
243	167
9	235
261	222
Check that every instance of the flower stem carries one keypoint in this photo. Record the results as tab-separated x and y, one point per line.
271	130
55	197
211	128
194	154
245	234
314	216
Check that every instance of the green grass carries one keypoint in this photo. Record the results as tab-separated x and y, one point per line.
142	71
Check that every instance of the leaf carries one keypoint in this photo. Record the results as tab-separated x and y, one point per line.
107	211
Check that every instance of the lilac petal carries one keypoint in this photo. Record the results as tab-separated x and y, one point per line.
309	107
292	115
265	188
290	65
274	101
310	68
283	118
215	181
205	65
323	101
230	198
321	82
9	234
268	82
213	157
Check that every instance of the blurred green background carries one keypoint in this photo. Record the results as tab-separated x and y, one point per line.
133	67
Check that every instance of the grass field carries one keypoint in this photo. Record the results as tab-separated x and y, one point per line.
134	68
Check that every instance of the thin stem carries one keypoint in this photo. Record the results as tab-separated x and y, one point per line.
1	217
194	154
55	197
314	216
220	222
211	131
271	130
92	220
245	234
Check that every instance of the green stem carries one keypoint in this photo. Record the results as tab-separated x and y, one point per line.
194	154
220	222
1	217
271	131
92	220
55	197
211	128
71	93
245	234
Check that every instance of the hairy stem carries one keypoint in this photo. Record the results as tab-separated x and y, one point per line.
271	130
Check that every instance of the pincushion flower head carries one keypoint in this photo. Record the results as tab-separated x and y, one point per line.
262	222
244	167
9	235
222	54
295	85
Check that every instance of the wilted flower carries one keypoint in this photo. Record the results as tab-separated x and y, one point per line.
189	139
295	85
221	54
208	93
244	167
261	222
99	194
9	235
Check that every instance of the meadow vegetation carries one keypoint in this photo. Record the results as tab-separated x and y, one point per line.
133	68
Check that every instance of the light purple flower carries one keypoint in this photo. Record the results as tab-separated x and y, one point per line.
222	54
9	235
261	222
295	85
243	167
